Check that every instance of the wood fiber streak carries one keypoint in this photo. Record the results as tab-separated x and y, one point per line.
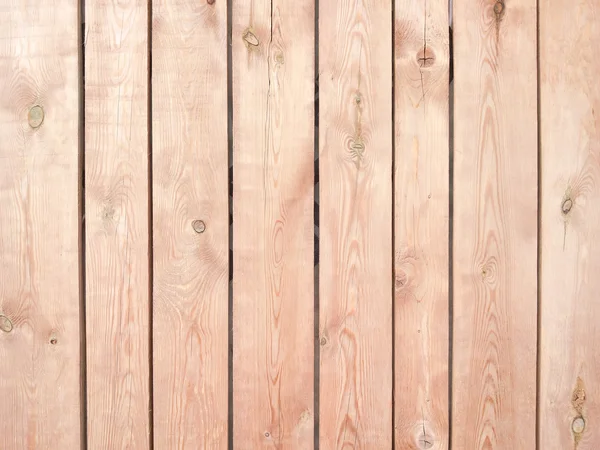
495	225
39	226
273	302
189	179
421	225
355	161
570	225
116	205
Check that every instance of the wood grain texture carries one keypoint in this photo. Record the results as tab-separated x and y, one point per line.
39	226
421	225
570	225
495	225
116	205
355	162
273	301
189	179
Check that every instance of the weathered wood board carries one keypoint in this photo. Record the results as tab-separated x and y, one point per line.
495	225
190	223
39	226
569	402
273	147
421	225
356	252
116	205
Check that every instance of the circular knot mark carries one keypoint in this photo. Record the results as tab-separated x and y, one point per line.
323	341
426	57
578	425
35	116
250	38
210	2
199	226
425	441
566	206
499	8
53	341
5	324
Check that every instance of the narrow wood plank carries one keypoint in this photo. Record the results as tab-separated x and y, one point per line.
39	225
355	164
421	220
116	205
273	302
569	401
190	217
495	225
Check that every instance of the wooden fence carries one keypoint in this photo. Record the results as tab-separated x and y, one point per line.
268	224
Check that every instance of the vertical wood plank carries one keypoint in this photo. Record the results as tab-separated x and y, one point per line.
39	225
355	176
190	223
273	302
570	225
116	205
495	225
421	225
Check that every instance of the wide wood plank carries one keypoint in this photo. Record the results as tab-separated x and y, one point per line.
569	400
421	225
39	225
355	224
116	205
273	302
190	223
495	225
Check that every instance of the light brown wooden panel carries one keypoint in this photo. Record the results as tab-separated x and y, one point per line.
190	217
495	225
355	164
569	401
273	302
39	225
116	205
421	225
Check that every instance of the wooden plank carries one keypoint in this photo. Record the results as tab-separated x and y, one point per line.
116	205
273	302
190	223
355	224
39	225
495	225
569	403
421	224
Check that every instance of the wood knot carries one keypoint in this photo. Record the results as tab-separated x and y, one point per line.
5	324
566	206
426	57
53	341
199	226
425	441
323	341
400	279
279	58
267	434
578	425
35	116
250	38
499	9
210	2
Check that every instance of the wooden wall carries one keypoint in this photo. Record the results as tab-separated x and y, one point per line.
279	224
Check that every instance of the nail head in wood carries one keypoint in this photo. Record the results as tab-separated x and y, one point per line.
199	226
5	324
35	116
578	425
